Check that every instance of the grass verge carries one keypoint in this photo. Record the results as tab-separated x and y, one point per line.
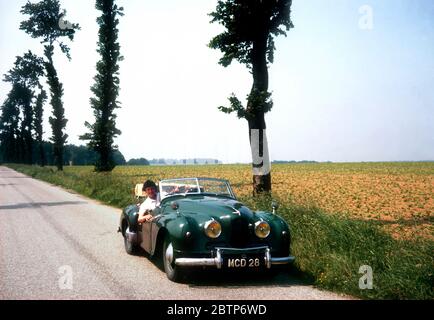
330	250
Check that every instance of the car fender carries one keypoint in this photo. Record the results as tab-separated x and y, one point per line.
176	226
280	232
129	215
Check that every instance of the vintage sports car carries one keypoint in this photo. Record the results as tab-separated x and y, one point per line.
200	223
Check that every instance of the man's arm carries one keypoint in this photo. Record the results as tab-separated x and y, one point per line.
144	213
145	217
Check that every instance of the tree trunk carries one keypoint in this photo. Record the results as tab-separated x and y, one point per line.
261	165
260	159
26	129
42	159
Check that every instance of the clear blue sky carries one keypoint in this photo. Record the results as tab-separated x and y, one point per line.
341	92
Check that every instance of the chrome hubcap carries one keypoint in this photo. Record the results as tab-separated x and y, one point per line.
169	254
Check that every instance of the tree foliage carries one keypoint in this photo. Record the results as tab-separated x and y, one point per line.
45	23
57	120
251	26
138	162
9	129
39	131
17	112
106	87
250	29
248	22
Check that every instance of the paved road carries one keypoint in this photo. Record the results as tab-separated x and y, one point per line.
58	245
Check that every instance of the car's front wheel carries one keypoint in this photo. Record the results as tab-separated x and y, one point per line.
130	247
173	272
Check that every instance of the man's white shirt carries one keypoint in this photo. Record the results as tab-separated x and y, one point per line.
149	204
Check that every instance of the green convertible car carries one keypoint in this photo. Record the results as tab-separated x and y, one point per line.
200	223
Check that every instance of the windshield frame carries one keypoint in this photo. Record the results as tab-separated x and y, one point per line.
197	183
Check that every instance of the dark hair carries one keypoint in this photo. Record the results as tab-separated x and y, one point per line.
149	184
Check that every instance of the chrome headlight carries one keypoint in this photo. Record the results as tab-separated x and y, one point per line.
213	229
262	229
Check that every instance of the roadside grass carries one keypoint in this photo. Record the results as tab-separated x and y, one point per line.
329	248
111	189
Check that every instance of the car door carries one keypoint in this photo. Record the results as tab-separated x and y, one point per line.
148	233
146	236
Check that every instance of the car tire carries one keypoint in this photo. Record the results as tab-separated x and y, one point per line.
173	272
130	247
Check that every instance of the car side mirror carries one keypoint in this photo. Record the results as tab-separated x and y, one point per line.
275	206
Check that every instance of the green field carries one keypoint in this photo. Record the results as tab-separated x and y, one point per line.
342	216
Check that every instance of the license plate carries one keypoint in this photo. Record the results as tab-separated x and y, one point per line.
244	262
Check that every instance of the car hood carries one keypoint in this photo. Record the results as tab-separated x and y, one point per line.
206	207
212	206
237	221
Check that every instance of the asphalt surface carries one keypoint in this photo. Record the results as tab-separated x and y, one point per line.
55	244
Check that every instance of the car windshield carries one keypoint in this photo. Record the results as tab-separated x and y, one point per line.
195	185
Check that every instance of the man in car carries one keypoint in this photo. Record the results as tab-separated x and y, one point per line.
153	200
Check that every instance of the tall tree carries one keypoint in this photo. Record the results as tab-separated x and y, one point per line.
106	87
24	77
39	131
9	129
251	26
46	22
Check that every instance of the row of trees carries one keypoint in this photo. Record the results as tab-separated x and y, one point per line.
21	119
72	155
249	38
19	116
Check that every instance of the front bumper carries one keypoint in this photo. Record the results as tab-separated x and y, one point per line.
217	261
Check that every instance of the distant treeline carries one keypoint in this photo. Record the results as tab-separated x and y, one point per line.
138	162
161	161
183	161
293	161
72	155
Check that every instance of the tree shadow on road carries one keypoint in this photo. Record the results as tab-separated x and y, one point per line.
39	204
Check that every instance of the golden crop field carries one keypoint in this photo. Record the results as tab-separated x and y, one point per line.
398	196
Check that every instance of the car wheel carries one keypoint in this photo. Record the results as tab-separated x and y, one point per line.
130	247
173	272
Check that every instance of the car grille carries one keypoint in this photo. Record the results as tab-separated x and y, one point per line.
240	236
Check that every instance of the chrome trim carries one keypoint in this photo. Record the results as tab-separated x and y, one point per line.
283	260
131	236
268	258
168	255
257	223
206	225
218	260
200	262
228	185
243	249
